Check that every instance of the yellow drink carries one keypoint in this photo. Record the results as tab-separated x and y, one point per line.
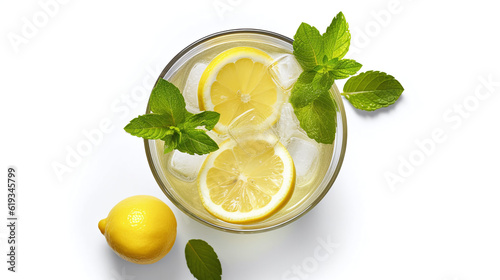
316	164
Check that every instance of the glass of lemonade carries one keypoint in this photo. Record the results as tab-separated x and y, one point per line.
316	165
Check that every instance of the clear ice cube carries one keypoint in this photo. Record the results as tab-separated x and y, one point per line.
185	166
288	125
285	70
190	91
218	138
305	154
246	128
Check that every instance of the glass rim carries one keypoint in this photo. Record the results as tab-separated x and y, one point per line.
309	207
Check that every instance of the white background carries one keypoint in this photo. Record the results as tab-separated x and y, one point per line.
89	57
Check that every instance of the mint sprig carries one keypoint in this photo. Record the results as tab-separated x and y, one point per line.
172	123
321	58
202	260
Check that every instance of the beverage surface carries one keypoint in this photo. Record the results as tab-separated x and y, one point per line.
277	119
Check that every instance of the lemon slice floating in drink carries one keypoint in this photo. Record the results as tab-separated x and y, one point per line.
236	81
239	187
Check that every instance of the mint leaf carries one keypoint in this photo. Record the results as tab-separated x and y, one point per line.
372	90
309	86
337	37
325	58
166	99
308	46
318	118
331	63
344	68
151	126
208	119
171	140
314	106
202	260
319	68
196	141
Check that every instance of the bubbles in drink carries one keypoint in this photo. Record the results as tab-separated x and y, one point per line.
190	91
305	154
285	70
185	166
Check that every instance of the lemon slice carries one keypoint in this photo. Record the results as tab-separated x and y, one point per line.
238	187
236	81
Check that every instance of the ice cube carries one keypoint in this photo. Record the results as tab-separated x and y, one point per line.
190	91
247	127
285	70
288	124
185	166
218	138
305	155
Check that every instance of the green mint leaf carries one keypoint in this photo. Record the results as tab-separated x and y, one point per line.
168	148
318	118
325	58
308	46
196	141
318	68
337	37
208	119
344	68
309	86
150	126
202	260
166	99
171	140
372	90
314	106
331	63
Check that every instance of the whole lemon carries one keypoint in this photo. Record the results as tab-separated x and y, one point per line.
140	229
